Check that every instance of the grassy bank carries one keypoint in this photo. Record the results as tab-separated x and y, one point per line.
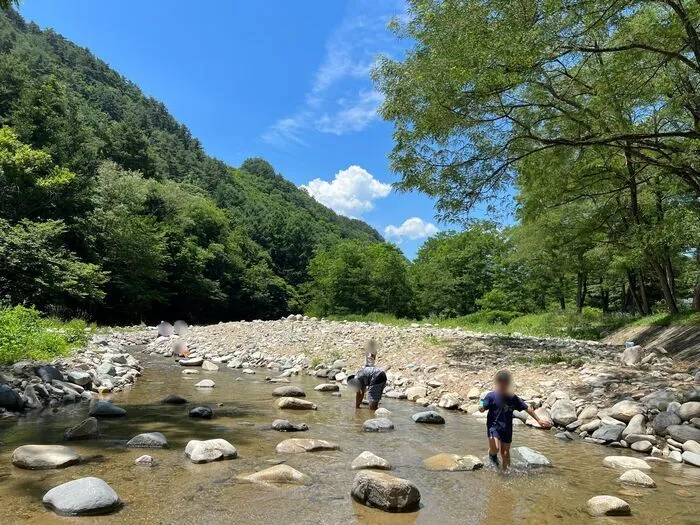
591	324
26	334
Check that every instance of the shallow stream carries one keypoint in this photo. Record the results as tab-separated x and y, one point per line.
177	491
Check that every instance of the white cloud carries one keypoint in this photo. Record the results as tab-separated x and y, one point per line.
413	228
286	130
351	192
353	117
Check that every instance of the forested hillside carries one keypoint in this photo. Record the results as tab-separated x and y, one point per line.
110	209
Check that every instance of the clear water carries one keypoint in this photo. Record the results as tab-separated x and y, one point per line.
177	491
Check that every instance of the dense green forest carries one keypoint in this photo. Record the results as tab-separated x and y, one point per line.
111	210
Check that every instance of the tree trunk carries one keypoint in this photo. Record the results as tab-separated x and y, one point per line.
581	290
632	290
696	298
562	298
666	288
646	309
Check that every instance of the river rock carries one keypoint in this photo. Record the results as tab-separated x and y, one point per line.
689	410
299	445
9	399
449	400
84	496
41	457
415	392
283	425
608	433
429	417
86	429
683	433
145	461
663	420
642	446
208	366
148	440
106	409
79	377
294	403
691	458
625	410
563	412
637	478
288	391
174	399
201	412
210	450
278	474
588	412
691	446
378	424
452	462
367	460
632	356
385	492
607	506
660	399
48	373
637	425
591	425
633	438
106	369
205	383
625	462
382	412
525	457
327	387
192	361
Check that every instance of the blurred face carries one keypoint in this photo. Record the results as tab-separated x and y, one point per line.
503	386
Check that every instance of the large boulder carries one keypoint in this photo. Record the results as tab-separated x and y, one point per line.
689	410
607	506
452	462
106	409
48	373
210	450
637	478
84	496
663	420
288	391
525	457
367	460
625	463
86	429
9	399
299	445
683	433
277	474
609	433
283	425
385	492
148	440
416	392
429	417
41	457
378	424
632	356
293	403
450	401
625	410
563	412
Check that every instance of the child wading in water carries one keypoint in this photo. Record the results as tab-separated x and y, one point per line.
499	422
370	379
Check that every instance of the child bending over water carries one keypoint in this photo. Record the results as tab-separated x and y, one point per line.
499	422
369	379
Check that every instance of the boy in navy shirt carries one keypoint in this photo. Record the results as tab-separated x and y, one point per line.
499	422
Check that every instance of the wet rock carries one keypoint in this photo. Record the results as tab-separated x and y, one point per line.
625	462
210	450
563	412
632	356
382	412
32	400
367	460
106	409
625	410
689	410
192	361
607	506
637	425
205	383
293	403
148	440
288	391
201	412
9	399
608	433
248	371
452	462
84	496
327	387
106	369
379	424
79	377
145	461
385	492
283	425
48	373
429	417
637	478
174	399
691	458
524	457
675	457
683	433
415	392
299	445
660	399
691	446
278	474
41	457
209	366
450	401
642	446
86	429
664	420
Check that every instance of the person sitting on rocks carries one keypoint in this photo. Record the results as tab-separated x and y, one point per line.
499	422
369	379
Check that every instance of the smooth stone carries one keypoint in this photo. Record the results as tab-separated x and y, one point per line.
664	420
632	356
9	399
48	373
299	445
205	383
452	462
633	438
683	433
675	457
288	391
86	429
283	474
294	403
691	458
174	399
691	446
449	400
82	497
106	369
148	440
416	392
210	450
625	410
201	412
659	399
382	412
563	412
525	457
283	425
145	461
637	425
209	366
192	361
327	387
625	462
591	426
367	460
588	412
385	492
608	433
429	417
637	478
379	424
106	409
42	457
641	446
79	377
689	410
607	506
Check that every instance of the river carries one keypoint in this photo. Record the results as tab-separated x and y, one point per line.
177	491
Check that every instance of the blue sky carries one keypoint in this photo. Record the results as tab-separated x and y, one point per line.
286	81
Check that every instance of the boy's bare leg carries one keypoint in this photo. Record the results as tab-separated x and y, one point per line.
373	405
505	454
359	396
494	447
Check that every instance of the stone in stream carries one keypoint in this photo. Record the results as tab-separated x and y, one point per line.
47	373
660	399
637	425
637	478
416	392
82	497
148	440
192	361
106	409
664	420
691	458
563	412
31	397
524	457
190	371
430	417
382	412
588	412
625	462
378	424
41	457
642	446
682	482
608	433
689	410
278	474
327	387
210	450
79	377
205	383
174	399
449	400
283	425
145	461
106	369
294	403
607	506
209	366
367	460
691	446
298	445
683	433
288	391
625	410
86	429
452	462
9	399
201	412
385	492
